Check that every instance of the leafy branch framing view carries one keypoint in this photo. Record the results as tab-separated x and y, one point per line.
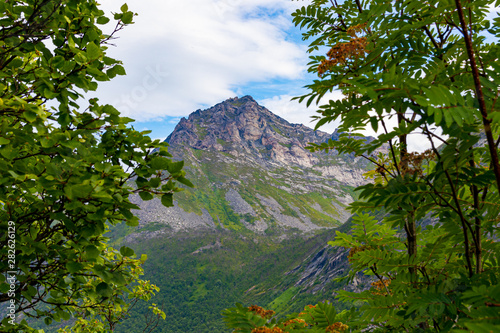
410	70
67	172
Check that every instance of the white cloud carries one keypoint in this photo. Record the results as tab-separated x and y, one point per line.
494	11
299	113
296	112
184	55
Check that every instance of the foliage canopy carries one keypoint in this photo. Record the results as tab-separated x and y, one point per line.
67	171
414	71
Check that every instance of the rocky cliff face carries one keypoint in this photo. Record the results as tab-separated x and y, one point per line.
239	126
252	171
242	128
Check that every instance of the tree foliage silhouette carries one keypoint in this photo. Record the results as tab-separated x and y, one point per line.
415	71
67	165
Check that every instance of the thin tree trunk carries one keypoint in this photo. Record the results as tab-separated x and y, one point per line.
410	225
479	94
476	233
411	237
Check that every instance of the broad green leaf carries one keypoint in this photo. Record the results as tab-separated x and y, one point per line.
104	289
175	167
185	181
127	17
93	51
74	267
46	143
160	163
30	116
119	70
126	251
146	196
167	200
132	221
109	109
102	20
92	251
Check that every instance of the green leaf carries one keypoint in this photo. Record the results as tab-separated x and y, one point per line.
81	191
146	196
109	109
185	181
438	115
374	123
80	59
126	251
102	20
104	289
160	163
324	313
132	221
92	251
483	327
46	143
68	191
127	17
457	117
16	63
93	51
118	197
74	267
167	200
155	182
4	287
119	70
30	116
175	167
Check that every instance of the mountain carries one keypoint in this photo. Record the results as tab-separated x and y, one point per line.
255	227
252	172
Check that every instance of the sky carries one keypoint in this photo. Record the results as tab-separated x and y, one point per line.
184	55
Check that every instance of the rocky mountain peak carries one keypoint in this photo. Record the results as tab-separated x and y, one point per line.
241	126
252	170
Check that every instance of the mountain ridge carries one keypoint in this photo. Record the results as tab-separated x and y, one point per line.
243	121
252	171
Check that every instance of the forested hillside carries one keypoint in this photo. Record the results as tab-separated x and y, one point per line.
201	273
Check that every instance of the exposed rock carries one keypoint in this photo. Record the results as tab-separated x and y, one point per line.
239	205
251	168
324	266
242	124
217	245
302	222
175	217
